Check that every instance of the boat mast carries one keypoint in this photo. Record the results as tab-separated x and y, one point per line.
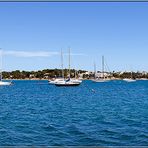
131	75
69	62
75	74
94	70
103	67
62	63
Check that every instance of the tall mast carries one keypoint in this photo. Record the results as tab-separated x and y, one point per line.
62	63
94	70
69	62
131	75
103	66
75	73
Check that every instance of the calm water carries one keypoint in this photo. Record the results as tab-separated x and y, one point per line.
92	114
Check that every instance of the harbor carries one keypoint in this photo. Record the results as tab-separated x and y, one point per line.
73	74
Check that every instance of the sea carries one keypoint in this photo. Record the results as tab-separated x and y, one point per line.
34	113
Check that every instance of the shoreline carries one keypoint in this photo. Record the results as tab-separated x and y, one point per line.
72	78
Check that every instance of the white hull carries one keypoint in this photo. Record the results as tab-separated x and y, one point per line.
143	79
76	80
51	82
129	80
55	81
69	83
5	83
100	80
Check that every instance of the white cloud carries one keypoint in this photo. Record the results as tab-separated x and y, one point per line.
29	53
20	53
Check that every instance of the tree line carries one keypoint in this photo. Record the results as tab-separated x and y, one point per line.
54	73
40	74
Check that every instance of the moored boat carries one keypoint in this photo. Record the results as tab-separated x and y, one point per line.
76	80
55	80
103	78
129	80
2	83
69	81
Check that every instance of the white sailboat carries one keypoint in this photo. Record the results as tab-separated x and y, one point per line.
76	80
2	83
58	79
69	81
55	80
103	78
130	79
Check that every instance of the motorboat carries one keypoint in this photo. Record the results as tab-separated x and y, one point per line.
129	80
2	83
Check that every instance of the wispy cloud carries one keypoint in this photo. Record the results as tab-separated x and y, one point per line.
30	53
20	53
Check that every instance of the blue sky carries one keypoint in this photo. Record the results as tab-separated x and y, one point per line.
32	35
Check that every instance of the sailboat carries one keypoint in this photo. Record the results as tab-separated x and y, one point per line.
69	81
55	80
103	78
2	83
76	80
130	79
58	79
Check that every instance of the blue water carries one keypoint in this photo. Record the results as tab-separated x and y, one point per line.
33	113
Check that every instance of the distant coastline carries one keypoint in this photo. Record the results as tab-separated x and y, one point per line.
47	74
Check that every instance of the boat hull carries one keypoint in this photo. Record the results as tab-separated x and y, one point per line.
129	80
100	81
76	81
5	83
67	84
52	82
